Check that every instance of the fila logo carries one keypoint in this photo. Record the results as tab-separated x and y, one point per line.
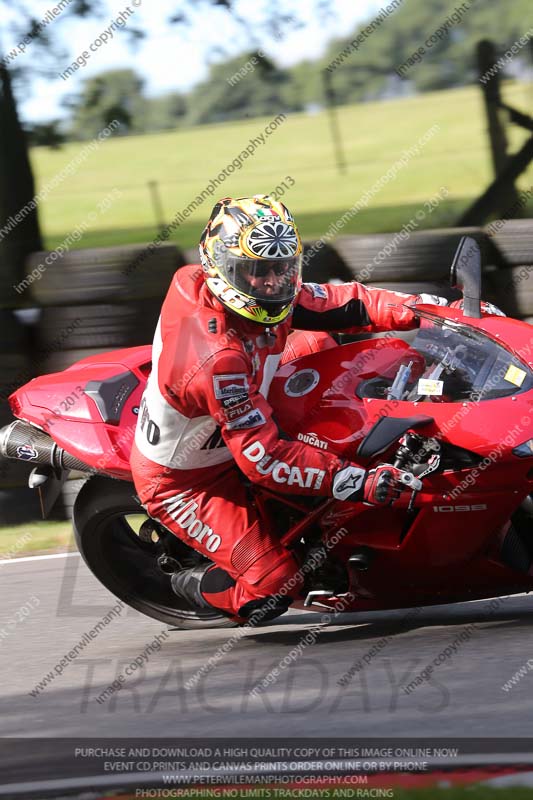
449	509
307	478
238	411
183	513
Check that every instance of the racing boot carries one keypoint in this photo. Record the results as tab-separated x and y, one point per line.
264	610
191	585
186	584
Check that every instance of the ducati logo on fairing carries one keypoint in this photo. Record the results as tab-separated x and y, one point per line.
312	438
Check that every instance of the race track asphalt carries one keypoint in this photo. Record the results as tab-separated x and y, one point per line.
478	646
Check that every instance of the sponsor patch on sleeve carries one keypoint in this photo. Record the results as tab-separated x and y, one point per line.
230	385
253	419
230	402
316	290
238	411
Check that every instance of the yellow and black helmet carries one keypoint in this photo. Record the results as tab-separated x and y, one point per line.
252	257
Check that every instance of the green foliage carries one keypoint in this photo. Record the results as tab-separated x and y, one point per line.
45	536
116	94
47	134
249	85
448	62
165	112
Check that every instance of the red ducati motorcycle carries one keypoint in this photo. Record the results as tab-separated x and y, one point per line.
452	405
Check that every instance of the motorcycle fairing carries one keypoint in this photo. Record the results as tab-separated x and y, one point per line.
445	548
99	427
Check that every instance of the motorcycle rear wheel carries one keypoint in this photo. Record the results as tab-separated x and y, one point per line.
106	518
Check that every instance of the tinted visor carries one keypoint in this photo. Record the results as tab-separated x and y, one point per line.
273	280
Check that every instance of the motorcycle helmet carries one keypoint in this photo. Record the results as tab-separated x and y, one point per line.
251	254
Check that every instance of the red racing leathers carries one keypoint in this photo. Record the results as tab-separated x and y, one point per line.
205	409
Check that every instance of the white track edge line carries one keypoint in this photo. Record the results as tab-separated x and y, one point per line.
35	558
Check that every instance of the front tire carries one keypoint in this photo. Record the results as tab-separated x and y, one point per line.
105	513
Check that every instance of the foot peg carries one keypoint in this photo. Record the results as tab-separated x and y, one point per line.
316	593
361	559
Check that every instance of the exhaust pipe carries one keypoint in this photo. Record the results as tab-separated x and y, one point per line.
24	442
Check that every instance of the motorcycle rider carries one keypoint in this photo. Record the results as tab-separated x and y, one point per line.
205	417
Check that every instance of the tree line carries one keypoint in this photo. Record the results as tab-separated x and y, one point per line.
419	46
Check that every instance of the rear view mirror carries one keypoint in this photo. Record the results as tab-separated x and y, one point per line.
465	275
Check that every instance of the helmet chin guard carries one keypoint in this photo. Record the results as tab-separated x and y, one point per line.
246	306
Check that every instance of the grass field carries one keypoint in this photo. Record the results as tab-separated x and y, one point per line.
375	135
35	537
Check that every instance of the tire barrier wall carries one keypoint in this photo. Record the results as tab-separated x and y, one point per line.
88	301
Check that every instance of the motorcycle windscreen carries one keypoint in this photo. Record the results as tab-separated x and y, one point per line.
459	364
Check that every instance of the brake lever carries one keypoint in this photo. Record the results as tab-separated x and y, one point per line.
433	465
416	483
